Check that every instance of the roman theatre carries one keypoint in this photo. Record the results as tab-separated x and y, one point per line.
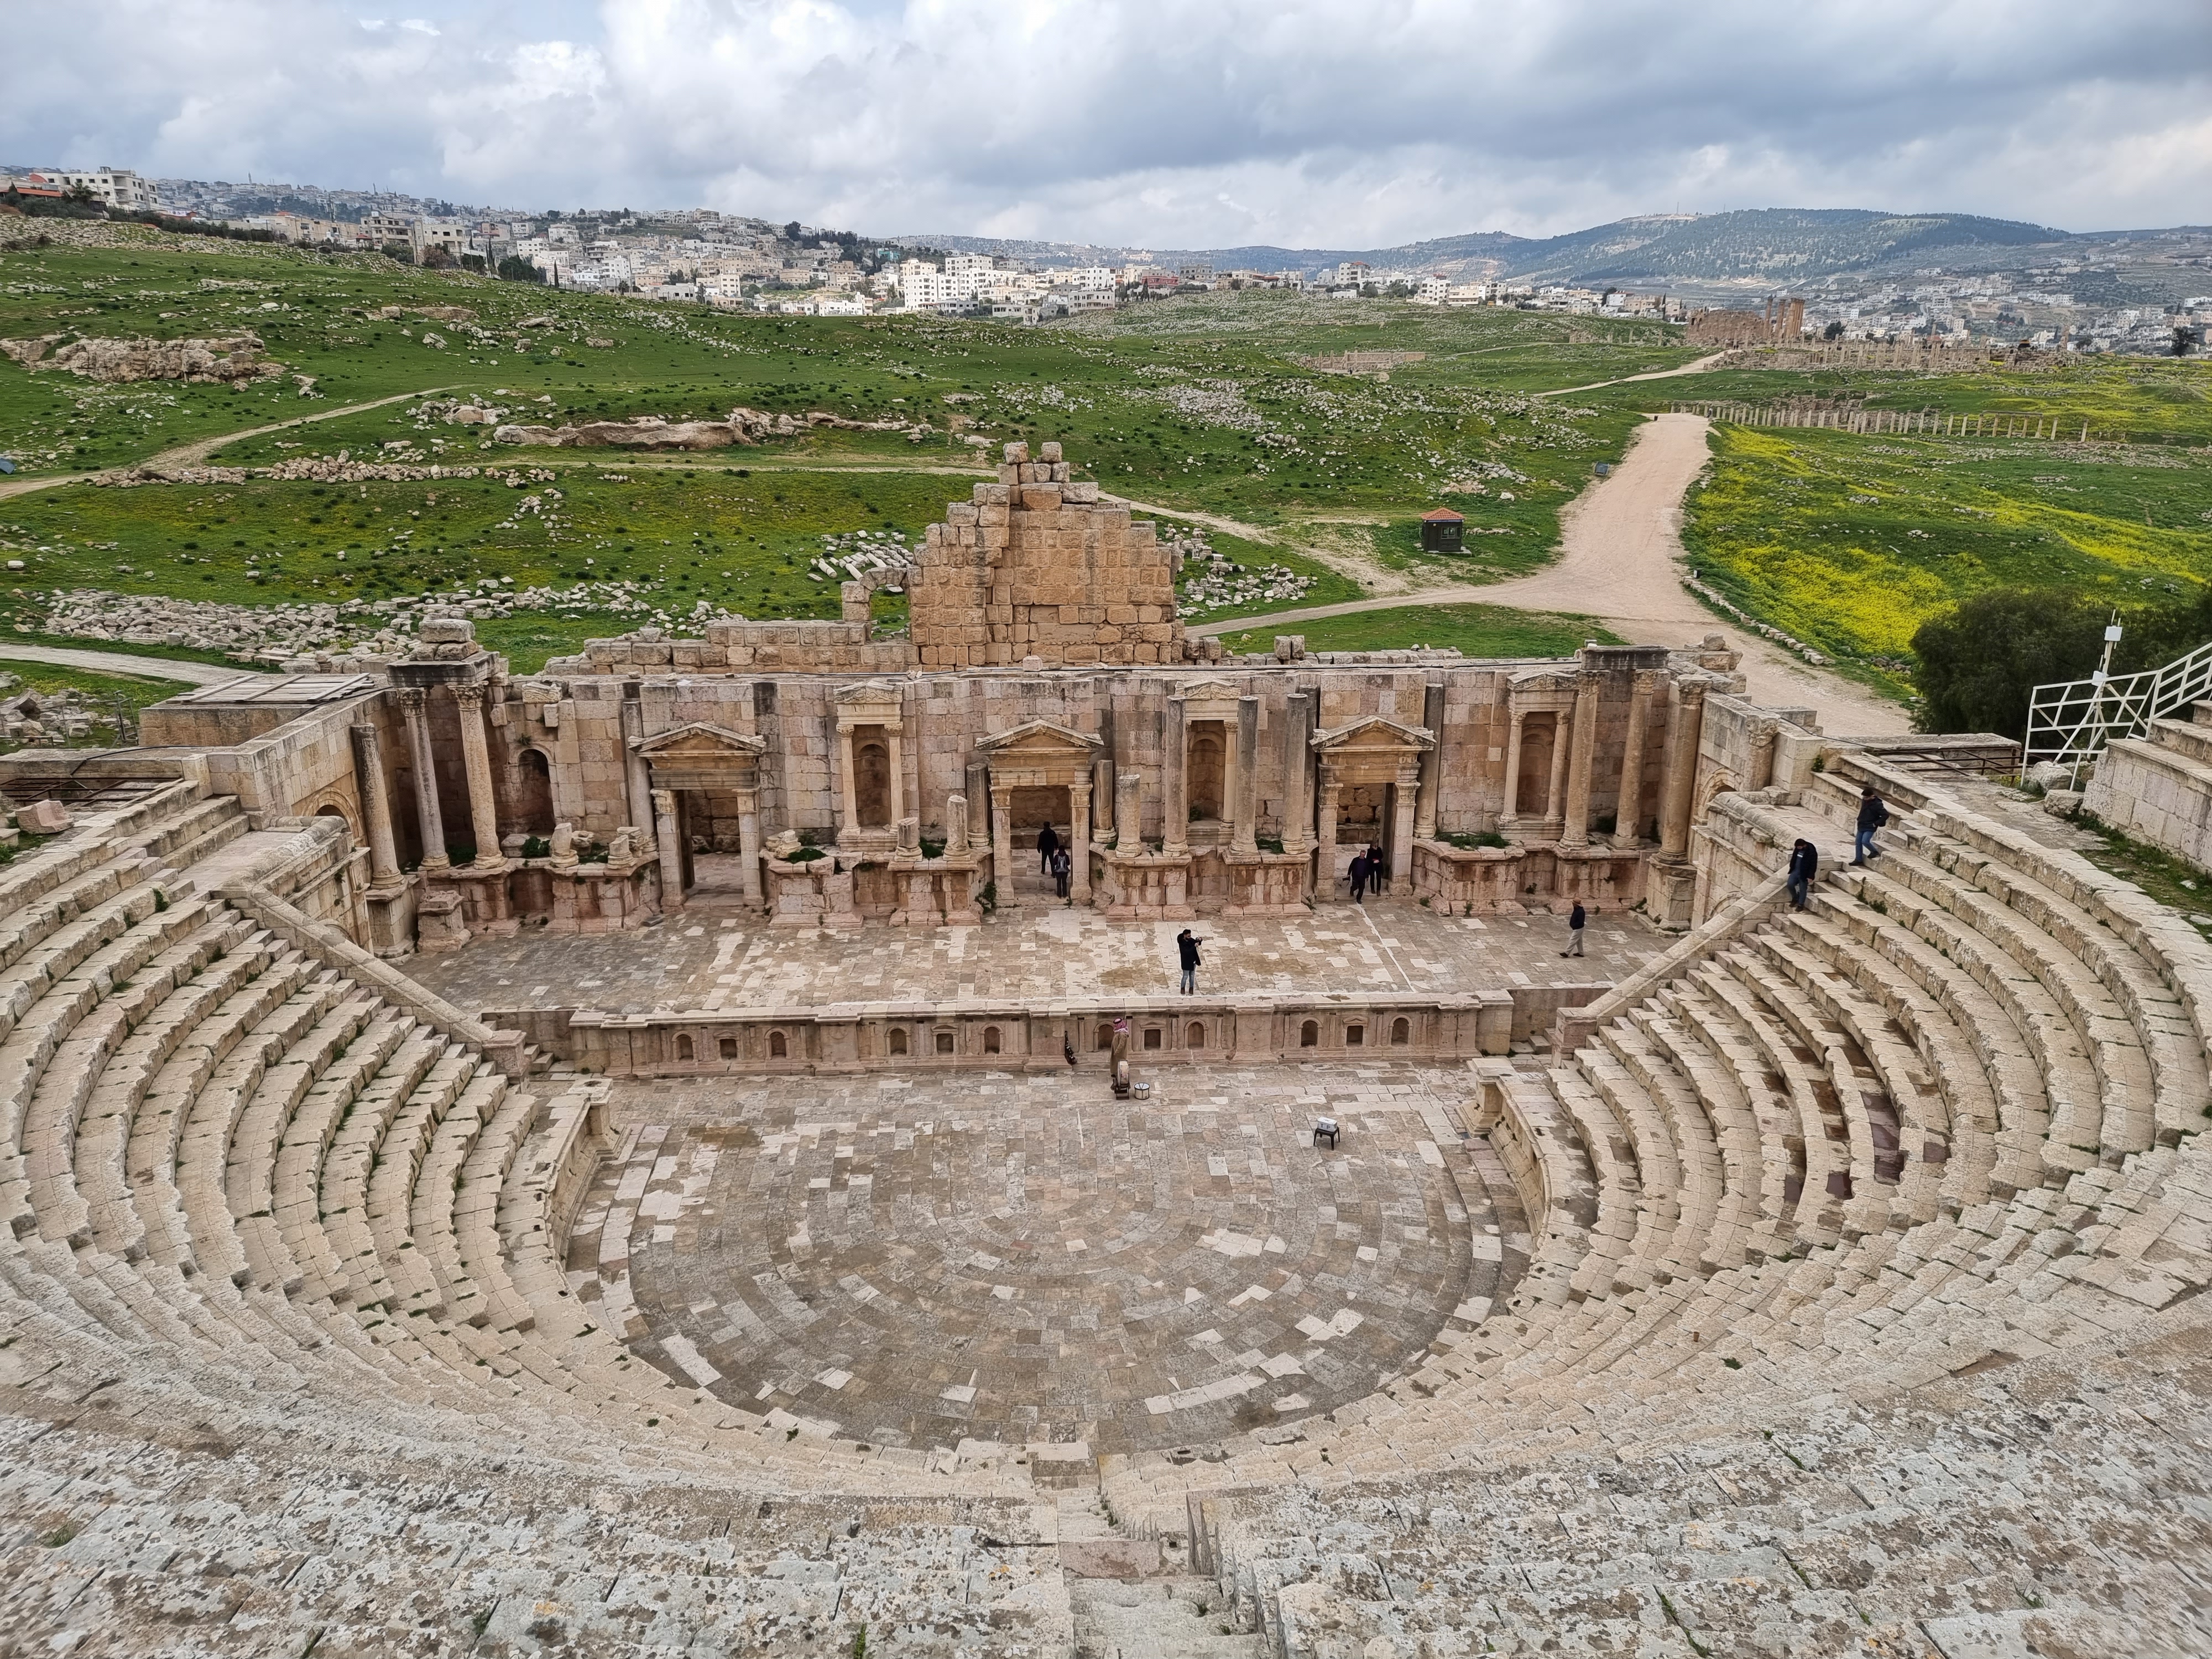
640	1157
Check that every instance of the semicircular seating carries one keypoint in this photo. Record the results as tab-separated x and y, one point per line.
1881	1219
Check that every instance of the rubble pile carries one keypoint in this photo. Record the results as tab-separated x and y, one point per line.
849	556
744	425
55	717
361	628
1212	582
341	468
237	358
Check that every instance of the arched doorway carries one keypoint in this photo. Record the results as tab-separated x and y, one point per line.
533	803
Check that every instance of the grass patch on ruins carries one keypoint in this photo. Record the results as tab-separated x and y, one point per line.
2171	880
1851	543
1474	631
103	692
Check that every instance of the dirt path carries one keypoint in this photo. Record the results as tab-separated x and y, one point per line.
117	662
1698	368
197	451
1619	541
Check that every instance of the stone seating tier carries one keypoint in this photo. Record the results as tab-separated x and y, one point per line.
1823	1212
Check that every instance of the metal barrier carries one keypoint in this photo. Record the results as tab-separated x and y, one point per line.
2073	721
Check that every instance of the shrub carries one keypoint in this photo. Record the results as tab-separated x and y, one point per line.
1980	660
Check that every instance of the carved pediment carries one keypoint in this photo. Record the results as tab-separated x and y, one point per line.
877	691
868	702
1039	738
699	741
1375	732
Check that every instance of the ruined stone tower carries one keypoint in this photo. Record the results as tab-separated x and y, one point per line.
1038	566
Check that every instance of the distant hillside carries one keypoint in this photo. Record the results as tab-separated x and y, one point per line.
1782	245
1767	245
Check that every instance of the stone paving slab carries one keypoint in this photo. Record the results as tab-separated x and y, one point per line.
1041	955
918	1261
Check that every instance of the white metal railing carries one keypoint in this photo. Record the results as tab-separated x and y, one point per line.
2071	721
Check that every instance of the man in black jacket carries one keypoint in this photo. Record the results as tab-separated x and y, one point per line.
1187	950
1578	919
1804	865
1047	844
1873	814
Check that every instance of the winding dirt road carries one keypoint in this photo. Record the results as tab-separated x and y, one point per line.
1619	541
197	451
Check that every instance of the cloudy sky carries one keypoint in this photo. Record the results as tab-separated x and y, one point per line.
1174	122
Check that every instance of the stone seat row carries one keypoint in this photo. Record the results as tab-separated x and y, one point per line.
1828	1151
237	1176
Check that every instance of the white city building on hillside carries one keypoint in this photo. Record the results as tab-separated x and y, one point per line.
118	187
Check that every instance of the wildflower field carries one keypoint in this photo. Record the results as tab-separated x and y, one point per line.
1850	542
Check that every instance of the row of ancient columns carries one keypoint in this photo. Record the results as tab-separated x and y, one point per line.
1574	752
376	807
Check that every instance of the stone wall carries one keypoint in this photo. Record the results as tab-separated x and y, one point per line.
1037	565
2159	788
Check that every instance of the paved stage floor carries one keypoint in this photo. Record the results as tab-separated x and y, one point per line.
1039	954
917	1261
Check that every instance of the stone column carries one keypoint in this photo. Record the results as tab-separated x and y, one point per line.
1682	738
1555	793
848	800
1401	834
1517	718
384	879
749	847
1244	835
1002	841
1129	811
1628	809
1425	812
637	776
1175	805
1325	855
956	824
1298	769
898	777
475	758
415	701
665	834
1577	832
1078	811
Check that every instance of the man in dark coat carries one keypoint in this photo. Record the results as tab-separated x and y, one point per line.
1577	921
1047	844
1379	869
1358	874
1187	950
1804	865
1873	812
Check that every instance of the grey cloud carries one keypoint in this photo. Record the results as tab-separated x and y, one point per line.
1137	120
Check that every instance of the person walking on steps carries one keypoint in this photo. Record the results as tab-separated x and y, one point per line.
1874	813
1358	874
1804	865
1047	844
1578	919
1187	950
1062	867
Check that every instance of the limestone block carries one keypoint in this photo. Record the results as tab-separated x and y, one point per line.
993	495
1083	494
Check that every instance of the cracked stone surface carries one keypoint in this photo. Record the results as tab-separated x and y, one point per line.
917	1261
723	962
